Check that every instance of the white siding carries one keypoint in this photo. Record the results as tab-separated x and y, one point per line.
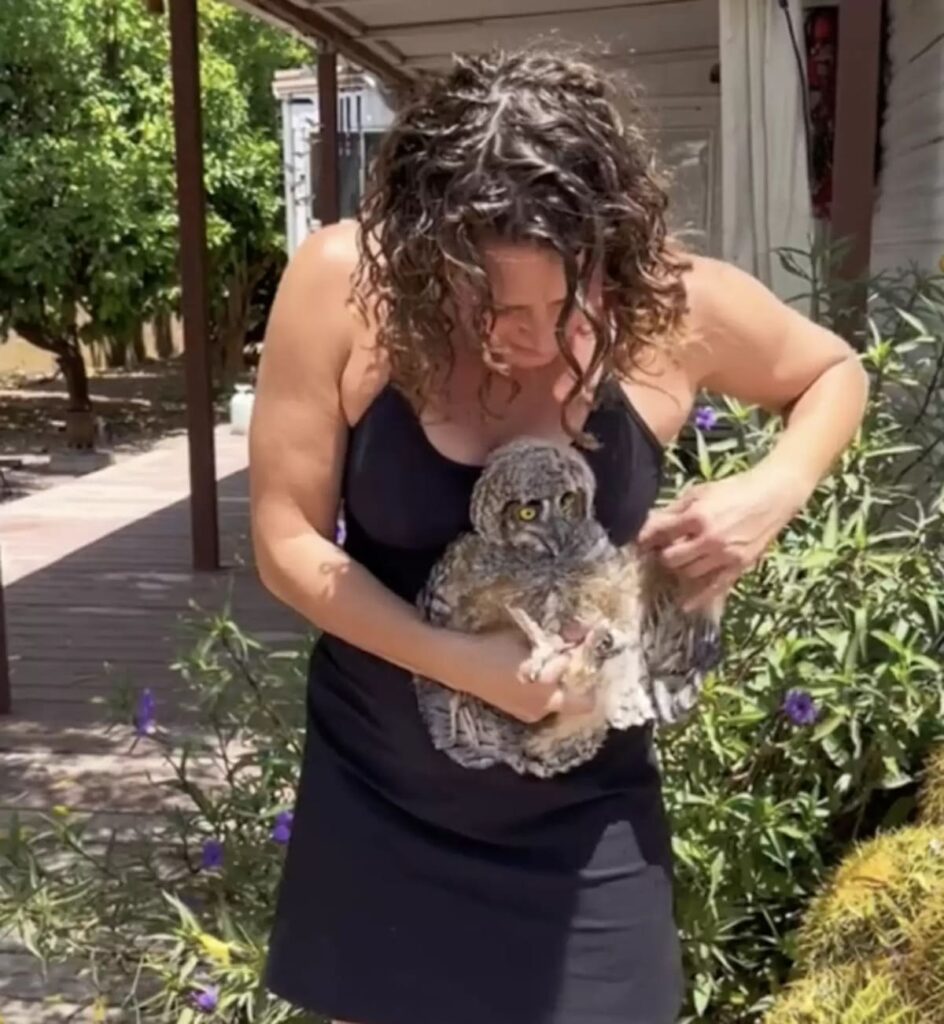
909	218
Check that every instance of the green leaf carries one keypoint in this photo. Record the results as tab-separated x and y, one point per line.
831	528
827	726
894	777
705	465
701	993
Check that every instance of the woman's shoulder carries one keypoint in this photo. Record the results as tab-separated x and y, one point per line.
323	274
665	379
328	258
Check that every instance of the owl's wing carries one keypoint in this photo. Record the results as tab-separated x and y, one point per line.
440	597
680	647
625	676
469	731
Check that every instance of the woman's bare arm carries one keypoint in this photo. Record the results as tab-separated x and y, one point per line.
746	343
766	353
297	443
312	370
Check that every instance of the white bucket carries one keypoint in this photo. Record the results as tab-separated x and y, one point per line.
240	409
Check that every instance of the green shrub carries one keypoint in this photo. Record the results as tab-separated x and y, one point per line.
830	695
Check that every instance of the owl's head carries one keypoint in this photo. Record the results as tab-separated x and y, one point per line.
533	494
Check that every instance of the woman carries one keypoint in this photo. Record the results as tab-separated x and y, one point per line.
513	276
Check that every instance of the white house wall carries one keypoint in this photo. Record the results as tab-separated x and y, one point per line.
301	115
909	218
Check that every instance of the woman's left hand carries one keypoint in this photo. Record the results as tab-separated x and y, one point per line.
714	532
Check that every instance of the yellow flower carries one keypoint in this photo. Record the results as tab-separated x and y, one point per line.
99	1008
215	948
61	811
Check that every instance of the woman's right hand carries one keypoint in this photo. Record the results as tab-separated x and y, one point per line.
496	668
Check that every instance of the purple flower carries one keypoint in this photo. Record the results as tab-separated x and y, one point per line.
282	831
212	856
145	715
800	707
207	999
705	418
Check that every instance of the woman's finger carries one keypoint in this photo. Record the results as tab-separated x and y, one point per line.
550	672
708	564
658	530
667	525
681	553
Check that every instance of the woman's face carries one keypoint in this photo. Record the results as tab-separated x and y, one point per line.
529	288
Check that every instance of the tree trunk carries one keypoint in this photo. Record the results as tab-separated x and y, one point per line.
116	354
80	421
232	332
137	344
163	338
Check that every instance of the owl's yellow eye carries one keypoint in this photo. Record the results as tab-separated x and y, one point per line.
527	514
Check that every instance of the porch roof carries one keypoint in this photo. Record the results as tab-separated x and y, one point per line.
673	43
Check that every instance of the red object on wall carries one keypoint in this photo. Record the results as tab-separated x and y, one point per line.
822	34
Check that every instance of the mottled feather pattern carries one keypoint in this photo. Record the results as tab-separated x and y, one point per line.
537	555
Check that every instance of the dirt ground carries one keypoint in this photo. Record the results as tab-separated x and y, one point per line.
135	409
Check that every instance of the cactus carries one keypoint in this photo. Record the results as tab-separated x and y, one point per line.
864	909
855	994
920	970
873	939
931	796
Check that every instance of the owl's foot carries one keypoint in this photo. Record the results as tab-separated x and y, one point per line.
545	646
602	642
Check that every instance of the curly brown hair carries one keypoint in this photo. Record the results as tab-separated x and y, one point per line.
529	147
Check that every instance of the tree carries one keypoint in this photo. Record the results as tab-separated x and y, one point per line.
243	168
86	215
87	206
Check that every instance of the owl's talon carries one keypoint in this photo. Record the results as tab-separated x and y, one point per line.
538	636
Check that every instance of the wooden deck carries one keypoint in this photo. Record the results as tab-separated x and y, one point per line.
96	576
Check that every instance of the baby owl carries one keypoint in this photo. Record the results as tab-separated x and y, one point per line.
537	559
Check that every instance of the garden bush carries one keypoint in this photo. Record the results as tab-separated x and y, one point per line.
830	696
809	741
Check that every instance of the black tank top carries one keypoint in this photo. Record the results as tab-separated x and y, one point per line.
404	501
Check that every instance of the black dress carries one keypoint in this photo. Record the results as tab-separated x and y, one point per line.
416	891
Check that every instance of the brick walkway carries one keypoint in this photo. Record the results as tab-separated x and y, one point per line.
96	575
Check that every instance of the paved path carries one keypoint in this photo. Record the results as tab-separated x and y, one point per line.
96	575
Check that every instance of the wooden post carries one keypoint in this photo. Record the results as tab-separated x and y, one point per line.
188	134
6	688
853	203
329	211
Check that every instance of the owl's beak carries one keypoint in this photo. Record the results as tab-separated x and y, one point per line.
560	531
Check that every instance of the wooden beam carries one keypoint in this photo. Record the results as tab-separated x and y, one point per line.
553	16
575	7
329	193
616	60
857	94
313	25
194	271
